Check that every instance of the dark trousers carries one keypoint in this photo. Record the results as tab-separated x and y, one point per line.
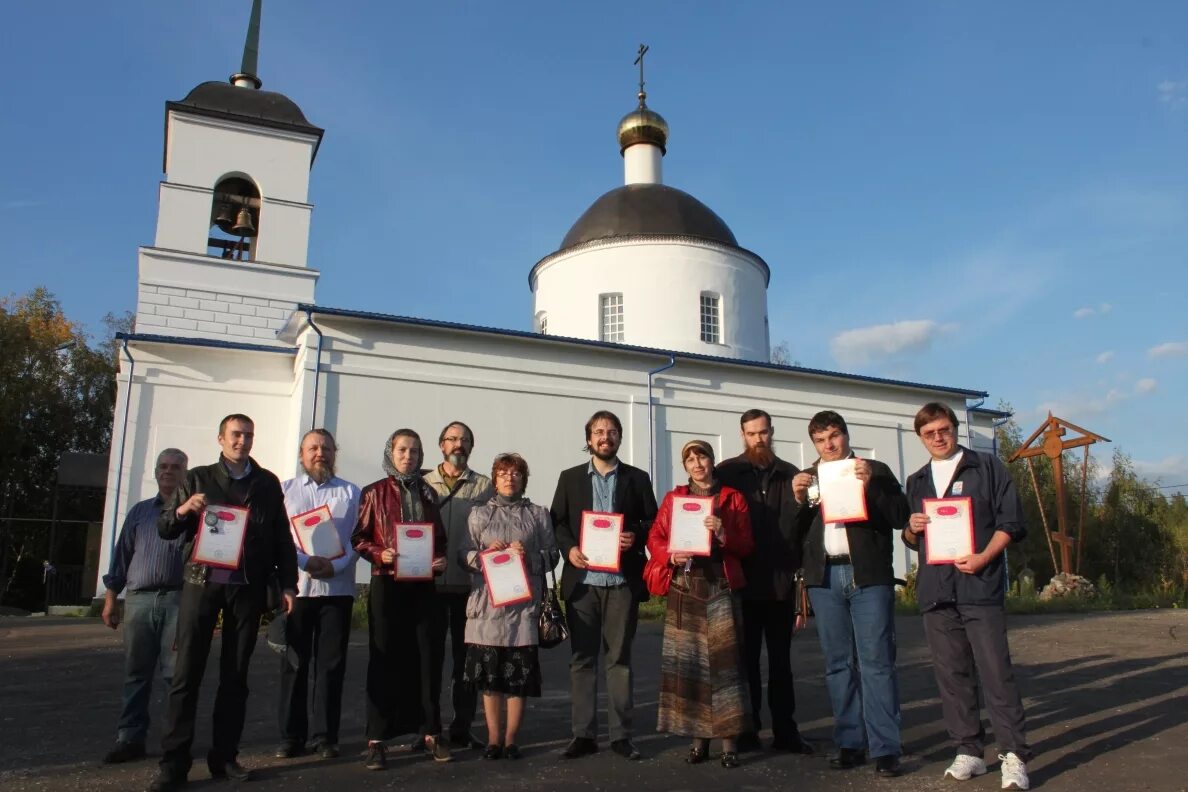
201	605
771	621
451	618
969	650
403	673
601	619
319	630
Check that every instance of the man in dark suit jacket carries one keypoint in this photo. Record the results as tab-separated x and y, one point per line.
602	608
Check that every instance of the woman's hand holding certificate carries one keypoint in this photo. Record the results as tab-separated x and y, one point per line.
506	577
414	551
843	495
949	534
688	534
219	541
600	540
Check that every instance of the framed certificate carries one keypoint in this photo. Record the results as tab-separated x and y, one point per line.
414	551
219	541
316	533
843	495
506	577
950	533
600	540
687	534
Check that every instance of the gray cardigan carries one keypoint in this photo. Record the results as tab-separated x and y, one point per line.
523	521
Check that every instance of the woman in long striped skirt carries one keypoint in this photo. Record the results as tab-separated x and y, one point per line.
703	688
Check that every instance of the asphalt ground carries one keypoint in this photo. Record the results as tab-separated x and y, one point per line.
1105	696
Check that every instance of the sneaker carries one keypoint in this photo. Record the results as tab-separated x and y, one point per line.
1014	772
438	748
377	756
965	767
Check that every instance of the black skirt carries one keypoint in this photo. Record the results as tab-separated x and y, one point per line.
510	670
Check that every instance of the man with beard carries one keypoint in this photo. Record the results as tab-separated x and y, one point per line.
458	490
149	570
602	607
238	595
319	628
769	599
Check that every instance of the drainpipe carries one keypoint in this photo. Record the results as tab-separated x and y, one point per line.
313	423
651	420
968	423
996	425
115	509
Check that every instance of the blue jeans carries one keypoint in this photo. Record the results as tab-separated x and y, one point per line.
857	630
150	627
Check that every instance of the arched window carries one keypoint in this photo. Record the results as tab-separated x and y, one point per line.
234	219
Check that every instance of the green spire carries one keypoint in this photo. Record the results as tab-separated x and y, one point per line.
251	50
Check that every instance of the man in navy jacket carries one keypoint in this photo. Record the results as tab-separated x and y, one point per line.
963	600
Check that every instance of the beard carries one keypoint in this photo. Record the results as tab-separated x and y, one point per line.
760	456
320	472
457	459
605	454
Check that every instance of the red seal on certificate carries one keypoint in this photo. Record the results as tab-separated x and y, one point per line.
687	534
506	578
219	540
600	540
316	534
414	551
950	531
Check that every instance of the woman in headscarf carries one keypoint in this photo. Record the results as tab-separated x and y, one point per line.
703	689
403	684
501	641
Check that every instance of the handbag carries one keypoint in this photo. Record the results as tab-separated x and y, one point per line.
552	627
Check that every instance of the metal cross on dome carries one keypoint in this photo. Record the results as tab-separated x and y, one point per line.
639	61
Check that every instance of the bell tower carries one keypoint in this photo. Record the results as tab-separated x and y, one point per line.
229	260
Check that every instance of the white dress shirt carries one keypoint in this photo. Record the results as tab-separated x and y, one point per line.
303	494
942	472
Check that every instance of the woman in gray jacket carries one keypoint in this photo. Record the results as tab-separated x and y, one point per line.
501	651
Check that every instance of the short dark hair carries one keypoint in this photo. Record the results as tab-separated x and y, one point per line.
603	415
446	428
752	414
826	419
234	417
934	411
320	433
510	462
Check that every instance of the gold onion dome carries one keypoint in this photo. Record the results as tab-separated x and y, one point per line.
643	125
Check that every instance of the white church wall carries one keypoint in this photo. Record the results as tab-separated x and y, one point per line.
661	284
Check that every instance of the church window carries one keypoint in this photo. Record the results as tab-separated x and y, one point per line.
542	322
711	322
234	220
611	328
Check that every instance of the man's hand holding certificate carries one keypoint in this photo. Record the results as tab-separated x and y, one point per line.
688	534
414	551
843	494
506	577
949	534
219	541
317	534
600	540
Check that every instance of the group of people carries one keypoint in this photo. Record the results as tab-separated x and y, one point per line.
770	554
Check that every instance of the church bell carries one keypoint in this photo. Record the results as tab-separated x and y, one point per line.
224	220
243	224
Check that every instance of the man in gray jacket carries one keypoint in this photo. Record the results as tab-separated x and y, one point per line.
458	490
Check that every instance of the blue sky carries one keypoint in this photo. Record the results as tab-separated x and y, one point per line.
990	196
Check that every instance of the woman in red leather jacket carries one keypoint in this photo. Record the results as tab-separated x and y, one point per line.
403	681
703	689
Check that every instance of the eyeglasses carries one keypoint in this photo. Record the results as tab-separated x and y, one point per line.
511	474
937	434
453	439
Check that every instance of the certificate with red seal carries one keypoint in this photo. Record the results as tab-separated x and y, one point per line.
414	551
950	532
506	577
316	533
687	534
843	495
600	540
219	541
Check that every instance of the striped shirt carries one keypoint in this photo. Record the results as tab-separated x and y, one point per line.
143	561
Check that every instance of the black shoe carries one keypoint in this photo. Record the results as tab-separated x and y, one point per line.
887	766
167	781
795	744
748	741
625	749
124	752
232	769
580	746
847	758
377	756
493	752
729	760
289	750
327	750
696	755
512	751
418	745
464	741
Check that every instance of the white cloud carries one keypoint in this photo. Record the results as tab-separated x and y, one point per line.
1086	311
1169	470
1104	308
1105	357
1145	385
864	344
1172	92
1169	349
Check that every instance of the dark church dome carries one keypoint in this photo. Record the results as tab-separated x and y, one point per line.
648	209
231	101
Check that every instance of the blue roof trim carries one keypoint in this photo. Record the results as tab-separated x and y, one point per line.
409	320
990	412
213	343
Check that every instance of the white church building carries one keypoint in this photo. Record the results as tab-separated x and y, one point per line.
228	320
